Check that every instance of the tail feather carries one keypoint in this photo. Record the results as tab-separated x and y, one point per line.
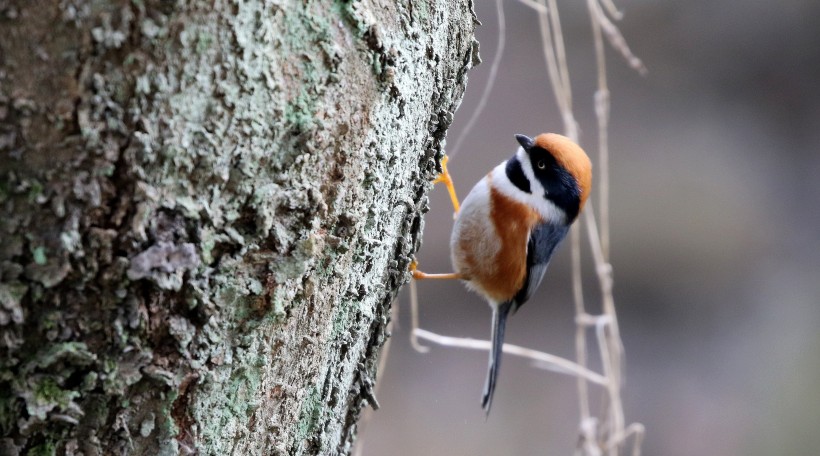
500	315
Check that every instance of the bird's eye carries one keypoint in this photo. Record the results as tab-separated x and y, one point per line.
542	164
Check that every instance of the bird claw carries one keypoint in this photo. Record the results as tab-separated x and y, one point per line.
448	182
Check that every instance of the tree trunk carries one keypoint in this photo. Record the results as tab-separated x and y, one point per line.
207	209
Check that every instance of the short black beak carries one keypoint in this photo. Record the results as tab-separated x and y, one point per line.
525	141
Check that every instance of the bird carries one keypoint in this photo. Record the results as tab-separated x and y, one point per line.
509	225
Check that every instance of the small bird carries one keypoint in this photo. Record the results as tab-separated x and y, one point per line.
510	224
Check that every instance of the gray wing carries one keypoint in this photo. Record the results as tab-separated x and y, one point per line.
544	238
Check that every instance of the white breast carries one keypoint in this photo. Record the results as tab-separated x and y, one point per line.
474	241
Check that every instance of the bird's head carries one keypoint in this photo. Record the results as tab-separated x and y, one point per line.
559	169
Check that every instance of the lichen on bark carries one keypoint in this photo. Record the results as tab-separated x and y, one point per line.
207	208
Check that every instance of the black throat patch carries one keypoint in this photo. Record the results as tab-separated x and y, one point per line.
516	174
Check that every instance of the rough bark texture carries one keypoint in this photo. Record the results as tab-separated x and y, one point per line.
207	208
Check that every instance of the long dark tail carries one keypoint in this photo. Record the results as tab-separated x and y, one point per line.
500	315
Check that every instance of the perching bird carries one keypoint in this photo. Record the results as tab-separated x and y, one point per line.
510	224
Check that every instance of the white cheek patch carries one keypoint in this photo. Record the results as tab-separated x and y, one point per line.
526	166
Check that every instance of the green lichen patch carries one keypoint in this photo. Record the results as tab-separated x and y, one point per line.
39	255
311	411
42	394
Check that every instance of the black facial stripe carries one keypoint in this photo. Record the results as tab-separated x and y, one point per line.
516	174
559	185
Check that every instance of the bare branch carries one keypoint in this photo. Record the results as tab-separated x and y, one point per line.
617	40
542	360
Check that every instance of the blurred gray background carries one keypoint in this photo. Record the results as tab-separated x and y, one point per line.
716	242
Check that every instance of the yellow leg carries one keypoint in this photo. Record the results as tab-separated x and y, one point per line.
418	275
451	189
448	181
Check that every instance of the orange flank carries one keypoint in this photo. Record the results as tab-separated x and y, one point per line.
502	277
514	221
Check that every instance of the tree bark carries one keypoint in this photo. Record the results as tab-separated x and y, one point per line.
207	209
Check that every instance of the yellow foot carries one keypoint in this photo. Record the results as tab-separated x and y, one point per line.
448	181
418	275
